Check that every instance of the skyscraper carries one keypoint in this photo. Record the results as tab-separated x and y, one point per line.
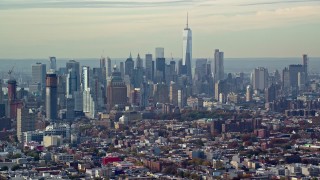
149	69
39	74
53	63
218	69
305	60
25	121
159	52
160	70
109	72
122	69
294	69
187	50
116	91
129	66
51	96
305	63
260	77
75	66
139	62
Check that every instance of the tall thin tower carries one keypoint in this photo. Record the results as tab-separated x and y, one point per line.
187	50
51	96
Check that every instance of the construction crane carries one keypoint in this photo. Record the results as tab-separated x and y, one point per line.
10	72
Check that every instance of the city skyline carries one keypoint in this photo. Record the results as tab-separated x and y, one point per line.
82	29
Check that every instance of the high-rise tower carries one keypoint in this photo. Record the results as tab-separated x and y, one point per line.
51	96
187	50
218	69
117	91
53	63
39	74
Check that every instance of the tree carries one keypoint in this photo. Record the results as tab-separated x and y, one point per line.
15	167
4	168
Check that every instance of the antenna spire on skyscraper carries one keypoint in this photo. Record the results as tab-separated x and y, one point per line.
187	20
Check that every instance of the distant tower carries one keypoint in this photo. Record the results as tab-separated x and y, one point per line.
53	63
75	67
139	62
51	96
39	71
116	91
25	121
173	93
305	66
12	90
109	66
305	63
187	50
159	52
122	69
249	93
129	66
260	78
103	72
218	69
149	70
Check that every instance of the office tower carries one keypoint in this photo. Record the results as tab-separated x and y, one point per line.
122	69
173	93
53	63
136	97
71	83
161	93
85	78
70	105
305	62
271	93
160	70
39	74
221	90
13	102
146	92
96	89
294	69
25	121
187	50
116	91
285	78
51	96
61	91
201	69
159	52
102	62
148	64
218	69
12	90
104	72
129	66
138	73
181	98
139	62
75	67
167	75
249	93
109	66
301	81
260	77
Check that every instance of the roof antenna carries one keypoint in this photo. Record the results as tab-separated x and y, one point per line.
187	20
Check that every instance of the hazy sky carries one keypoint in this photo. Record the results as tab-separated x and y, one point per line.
90	28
